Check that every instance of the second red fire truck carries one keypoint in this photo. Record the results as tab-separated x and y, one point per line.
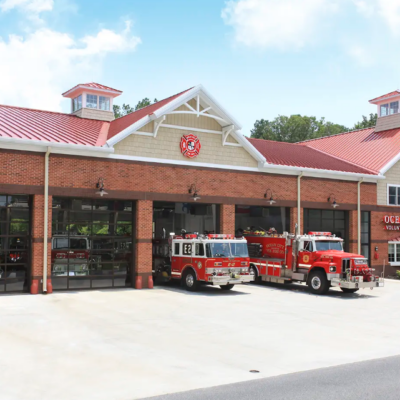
195	259
316	258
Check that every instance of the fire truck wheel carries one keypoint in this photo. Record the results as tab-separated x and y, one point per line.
189	281
318	283
345	290
253	271
226	287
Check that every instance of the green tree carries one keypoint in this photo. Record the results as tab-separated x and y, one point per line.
125	109
295	128
367	122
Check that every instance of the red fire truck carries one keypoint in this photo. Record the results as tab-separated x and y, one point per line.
195	259
317	259
70	255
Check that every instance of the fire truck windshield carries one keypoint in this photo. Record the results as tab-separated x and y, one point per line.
220	250
328	245
64	243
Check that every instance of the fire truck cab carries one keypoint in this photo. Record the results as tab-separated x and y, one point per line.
194	259
316	258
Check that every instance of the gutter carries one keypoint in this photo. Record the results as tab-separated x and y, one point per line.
46	216
359	216
42	146
313	172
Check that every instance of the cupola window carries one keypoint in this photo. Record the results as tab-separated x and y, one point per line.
77	103
104	103
389	108
91	101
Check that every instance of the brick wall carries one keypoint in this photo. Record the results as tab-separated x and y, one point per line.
144	234
77	176
38	238
227	219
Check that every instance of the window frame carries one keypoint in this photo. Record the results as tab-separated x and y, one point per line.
73	103
388	186
396	261
97	101
107	100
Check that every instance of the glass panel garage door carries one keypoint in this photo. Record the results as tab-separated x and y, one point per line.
92	243
14	243
334	221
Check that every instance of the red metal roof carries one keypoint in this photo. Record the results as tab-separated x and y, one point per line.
120	124
291	154
93	85
364	147
38	125
385	96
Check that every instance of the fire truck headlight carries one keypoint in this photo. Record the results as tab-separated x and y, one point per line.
332	268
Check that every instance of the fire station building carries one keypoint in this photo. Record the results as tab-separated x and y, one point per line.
82	195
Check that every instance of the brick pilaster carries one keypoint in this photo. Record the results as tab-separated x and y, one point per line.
227	219
353	232
38	239
293	220
144	234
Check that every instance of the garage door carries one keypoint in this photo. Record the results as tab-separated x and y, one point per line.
92	243
334	221
15	240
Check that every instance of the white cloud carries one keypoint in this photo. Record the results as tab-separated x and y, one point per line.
276	23
37	68
389	10
32	6
365	7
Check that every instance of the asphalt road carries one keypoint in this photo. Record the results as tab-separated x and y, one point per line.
369	380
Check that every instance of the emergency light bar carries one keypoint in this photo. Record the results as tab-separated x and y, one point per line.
320	233
220	236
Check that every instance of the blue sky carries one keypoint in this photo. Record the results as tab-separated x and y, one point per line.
259	58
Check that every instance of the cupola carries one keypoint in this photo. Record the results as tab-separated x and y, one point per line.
388	111
92	101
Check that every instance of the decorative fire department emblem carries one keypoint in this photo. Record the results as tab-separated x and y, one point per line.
306	258
190	146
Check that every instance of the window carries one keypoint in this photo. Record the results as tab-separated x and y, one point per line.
199	249
307	246
394	253
389	109
365	234
393	195
104	103
176	250
91	101
394	107
77	103
322	245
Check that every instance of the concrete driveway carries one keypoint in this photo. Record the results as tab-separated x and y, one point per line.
128	344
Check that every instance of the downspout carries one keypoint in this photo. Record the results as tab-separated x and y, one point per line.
46	216
359	216
299	203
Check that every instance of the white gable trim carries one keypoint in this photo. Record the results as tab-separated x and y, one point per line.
199	92
390	164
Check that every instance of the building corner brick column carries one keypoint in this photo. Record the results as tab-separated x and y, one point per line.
38	241
143	276
227	219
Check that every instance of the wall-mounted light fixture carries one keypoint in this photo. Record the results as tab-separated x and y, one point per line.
100	186
193	191
332	200
269	197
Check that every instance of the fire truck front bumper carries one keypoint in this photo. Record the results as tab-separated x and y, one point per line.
357	285
231	279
